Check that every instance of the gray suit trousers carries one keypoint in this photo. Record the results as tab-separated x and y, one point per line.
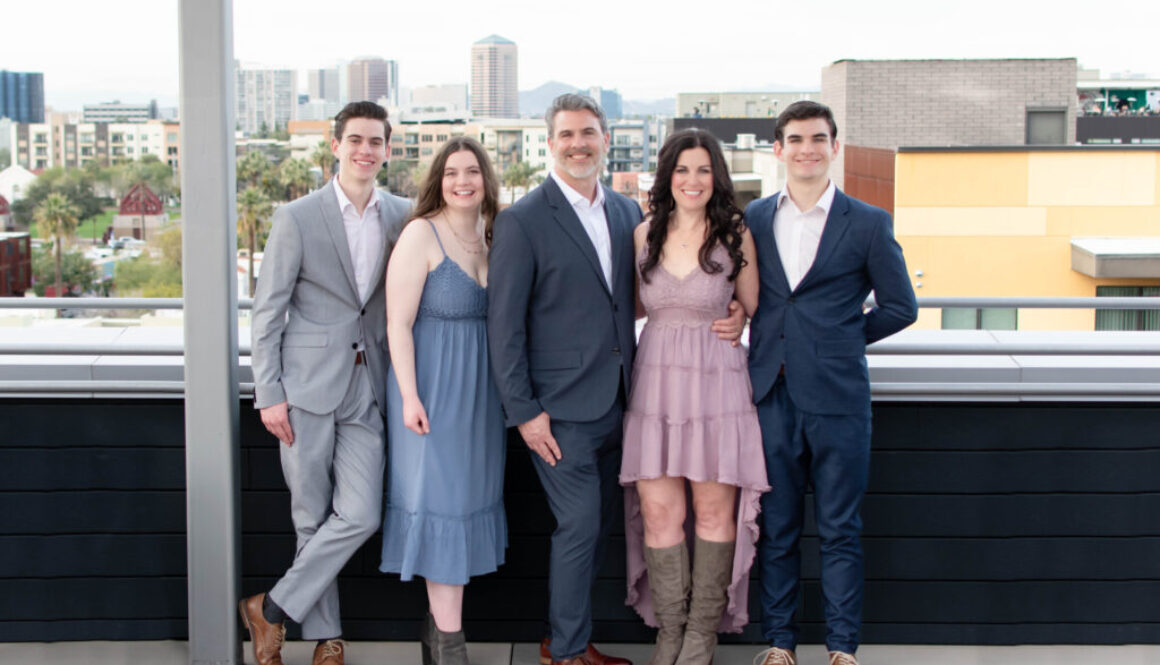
335	474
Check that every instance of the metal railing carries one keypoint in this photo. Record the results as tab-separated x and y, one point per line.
1120	348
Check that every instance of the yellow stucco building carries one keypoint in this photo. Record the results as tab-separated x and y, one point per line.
1029	221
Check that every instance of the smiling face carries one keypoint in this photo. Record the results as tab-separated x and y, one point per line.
578	147
692	183
807	148
361	151
462	181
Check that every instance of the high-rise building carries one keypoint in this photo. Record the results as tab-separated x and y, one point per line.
265	98
371	79
609	100
494	89
22	96
323	84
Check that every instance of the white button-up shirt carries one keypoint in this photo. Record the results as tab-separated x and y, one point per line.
364	238
798	233
595	223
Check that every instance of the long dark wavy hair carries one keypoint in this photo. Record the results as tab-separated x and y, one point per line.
431	193
724	217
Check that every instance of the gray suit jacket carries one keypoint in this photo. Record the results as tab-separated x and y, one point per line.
308	317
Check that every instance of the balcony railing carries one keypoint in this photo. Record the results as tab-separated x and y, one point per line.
913	365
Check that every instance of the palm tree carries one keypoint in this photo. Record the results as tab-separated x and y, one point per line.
295	175
323	158
56	216
519	175
254	209
252	167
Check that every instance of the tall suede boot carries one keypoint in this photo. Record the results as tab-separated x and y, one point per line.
712	572
668	583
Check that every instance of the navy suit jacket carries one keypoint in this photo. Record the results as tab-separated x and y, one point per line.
818	330
560	340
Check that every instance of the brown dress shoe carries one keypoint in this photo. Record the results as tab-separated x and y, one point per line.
590	657
329	652
267	637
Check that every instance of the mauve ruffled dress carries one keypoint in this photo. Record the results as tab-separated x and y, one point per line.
691	415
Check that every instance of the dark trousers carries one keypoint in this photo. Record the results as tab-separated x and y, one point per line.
585	498
831	453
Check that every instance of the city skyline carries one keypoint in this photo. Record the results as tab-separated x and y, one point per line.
628	46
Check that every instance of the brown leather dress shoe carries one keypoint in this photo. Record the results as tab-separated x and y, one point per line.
329	652
590	657
267	637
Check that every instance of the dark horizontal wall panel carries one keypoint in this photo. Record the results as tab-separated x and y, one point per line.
93	630
1016	426
92	468
1005	472
69	423
93	555
93	598
110	511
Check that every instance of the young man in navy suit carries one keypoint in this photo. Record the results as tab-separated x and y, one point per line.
820	253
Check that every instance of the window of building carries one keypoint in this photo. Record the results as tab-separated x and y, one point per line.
1127	319
426	152
440	137
117	138
41	151
1046	126
396	152
40	138
171	137
171	150
425	138
991	318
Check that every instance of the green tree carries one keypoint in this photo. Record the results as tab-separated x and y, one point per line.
296	176
150	171
77	185
169	242
75	271
252	169
147	276
56	216
323	158
254	209
519	175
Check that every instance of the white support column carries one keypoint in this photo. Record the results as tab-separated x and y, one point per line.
209	275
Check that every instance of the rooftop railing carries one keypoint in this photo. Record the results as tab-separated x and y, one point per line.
968	364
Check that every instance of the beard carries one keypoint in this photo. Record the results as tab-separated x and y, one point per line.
580	171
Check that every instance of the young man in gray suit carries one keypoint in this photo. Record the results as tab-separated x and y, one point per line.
561	333
319	362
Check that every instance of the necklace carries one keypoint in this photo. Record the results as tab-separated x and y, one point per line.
472	246
698	231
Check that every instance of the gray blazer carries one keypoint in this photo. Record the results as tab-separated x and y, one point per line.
308	317
561	341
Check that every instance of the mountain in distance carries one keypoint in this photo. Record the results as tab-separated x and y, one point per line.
534	102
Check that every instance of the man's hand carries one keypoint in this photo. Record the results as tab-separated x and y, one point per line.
537	433
730	328
276	418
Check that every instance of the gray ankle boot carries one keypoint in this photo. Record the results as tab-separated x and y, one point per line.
668	584
712	572
440	648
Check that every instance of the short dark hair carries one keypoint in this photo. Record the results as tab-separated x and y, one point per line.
361	110
573	102
804	110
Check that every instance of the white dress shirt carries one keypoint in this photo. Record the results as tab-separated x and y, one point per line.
798	233
364	238
595	223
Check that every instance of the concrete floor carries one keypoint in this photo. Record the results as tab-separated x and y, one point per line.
492	653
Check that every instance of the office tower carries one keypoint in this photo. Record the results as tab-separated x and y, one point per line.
323	84
22	96
370	79
494	91
265	98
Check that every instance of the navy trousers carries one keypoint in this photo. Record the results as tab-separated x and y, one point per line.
831	453
585	498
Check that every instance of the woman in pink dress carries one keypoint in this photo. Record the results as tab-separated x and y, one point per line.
693	462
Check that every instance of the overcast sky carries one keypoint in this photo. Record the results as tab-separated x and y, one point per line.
127	49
